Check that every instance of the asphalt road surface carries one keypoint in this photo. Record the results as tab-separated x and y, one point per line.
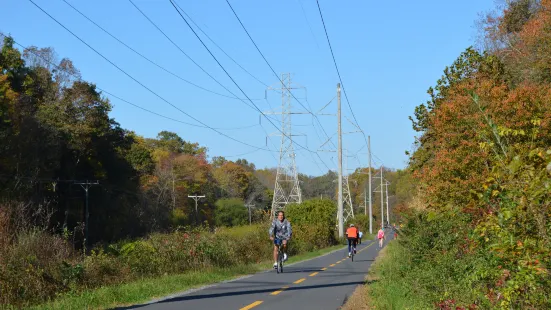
321	283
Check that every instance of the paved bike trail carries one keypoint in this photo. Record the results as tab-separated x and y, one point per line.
321	283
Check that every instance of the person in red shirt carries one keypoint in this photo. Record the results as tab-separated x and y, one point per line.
352	235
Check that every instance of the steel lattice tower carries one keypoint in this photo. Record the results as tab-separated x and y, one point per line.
287	186
348	209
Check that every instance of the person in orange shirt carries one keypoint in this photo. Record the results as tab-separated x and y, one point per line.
352	235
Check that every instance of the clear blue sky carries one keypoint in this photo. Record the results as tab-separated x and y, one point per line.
388	52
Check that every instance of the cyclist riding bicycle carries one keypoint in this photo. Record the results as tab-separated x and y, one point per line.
352	235
280	233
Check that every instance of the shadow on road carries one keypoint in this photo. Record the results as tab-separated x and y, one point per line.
291	270
237	293
364	260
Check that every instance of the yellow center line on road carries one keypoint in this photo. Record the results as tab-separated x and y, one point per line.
254	304
279	291
332	265
325	268
313	274
339	262
299	280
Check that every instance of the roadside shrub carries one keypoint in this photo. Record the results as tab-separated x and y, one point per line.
38	266
34	267
230	212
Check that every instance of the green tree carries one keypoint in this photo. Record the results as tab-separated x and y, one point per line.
230	212
313	211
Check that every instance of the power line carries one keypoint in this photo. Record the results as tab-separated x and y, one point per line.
231	78
181	50
272	69
208	37
227	73
308	22
141	84
335	62
144	57
119	98
178	47
170	118
237	155
338	72
185	54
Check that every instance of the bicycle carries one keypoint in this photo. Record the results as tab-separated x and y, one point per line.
279	267
352	252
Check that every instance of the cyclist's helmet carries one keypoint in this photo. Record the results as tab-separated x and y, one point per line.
351	225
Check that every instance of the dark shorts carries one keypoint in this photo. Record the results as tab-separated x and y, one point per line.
278	241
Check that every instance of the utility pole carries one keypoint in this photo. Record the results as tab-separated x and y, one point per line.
196	198
339	199
173	188
249	207
86	186
387	214
365	201
370	203
382	202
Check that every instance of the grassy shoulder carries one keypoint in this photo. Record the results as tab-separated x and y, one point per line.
148	289
385	287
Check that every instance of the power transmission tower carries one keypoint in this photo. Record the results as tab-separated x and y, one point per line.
287	186
348	210
196	198
86	186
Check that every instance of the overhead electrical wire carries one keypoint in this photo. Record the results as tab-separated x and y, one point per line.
229	76
142	56
144	86
221	49
335	62
308	22
181	50
273	71
269	119
276	75
338	72
185	54
267	62
117	97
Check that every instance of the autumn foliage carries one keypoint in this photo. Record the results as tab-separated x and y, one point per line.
483	162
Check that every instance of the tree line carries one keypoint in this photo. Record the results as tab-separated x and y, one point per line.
479	228
56	132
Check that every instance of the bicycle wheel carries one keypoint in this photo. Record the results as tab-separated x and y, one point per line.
280	264
278	268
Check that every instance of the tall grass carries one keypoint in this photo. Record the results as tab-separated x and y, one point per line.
387	288
37	266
